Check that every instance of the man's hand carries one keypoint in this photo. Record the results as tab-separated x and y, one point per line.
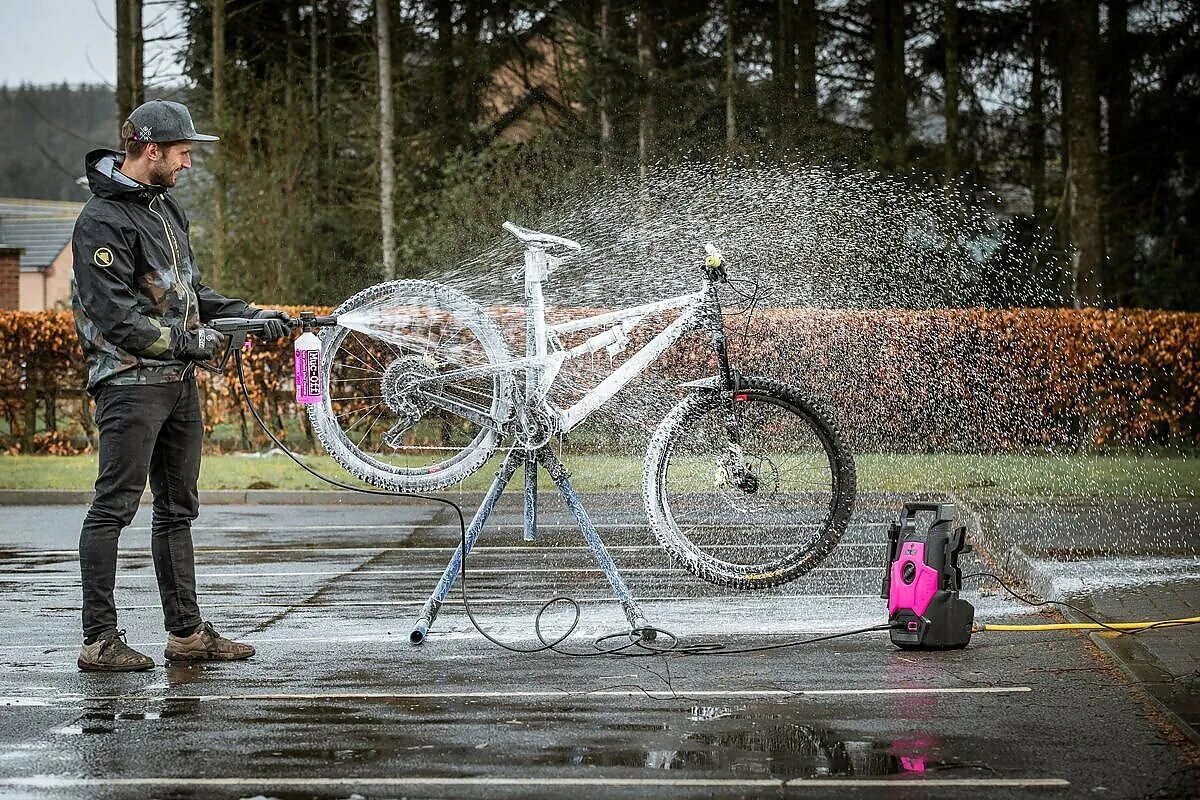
198	345
278	323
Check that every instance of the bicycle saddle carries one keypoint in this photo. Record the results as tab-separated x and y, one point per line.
540	240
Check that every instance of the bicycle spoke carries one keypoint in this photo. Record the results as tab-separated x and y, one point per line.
370	426
765	511
359	419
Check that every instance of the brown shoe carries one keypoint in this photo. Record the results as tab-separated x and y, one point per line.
109	653
205	644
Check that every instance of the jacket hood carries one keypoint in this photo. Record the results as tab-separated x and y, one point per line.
106	180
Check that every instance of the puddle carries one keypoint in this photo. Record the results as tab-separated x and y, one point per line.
725	740
758	740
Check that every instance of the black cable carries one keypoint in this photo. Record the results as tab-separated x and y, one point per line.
1076	609
462	526
636	646
752	298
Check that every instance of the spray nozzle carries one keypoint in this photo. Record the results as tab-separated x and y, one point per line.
309	321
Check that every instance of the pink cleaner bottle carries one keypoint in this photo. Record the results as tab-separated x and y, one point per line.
308	369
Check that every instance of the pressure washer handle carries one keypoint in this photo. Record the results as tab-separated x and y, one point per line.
235	330
943	512
231	326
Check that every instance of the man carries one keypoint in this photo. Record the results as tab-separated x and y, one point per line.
140	310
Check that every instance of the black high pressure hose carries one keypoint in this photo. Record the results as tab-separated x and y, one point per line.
634	646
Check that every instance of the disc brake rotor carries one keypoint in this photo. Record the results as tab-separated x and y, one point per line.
748	481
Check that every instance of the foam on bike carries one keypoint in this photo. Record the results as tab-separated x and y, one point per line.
744	483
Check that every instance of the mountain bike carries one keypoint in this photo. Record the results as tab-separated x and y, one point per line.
744	482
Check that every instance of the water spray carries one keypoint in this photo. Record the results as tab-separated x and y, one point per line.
924	580
941	622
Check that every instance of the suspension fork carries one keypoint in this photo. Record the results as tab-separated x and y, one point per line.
730	380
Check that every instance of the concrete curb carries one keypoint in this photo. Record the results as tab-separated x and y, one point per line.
1013	560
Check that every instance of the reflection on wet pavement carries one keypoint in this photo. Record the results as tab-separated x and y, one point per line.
336	691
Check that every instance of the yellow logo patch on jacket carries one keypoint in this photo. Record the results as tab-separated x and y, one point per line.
103	257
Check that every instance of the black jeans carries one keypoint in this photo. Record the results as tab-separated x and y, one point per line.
153	429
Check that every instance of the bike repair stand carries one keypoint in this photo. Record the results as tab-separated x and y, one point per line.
558	473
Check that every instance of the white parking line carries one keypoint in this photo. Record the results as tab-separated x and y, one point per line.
633	526
42	578
49	647
144	551
534	782
658	694
487	601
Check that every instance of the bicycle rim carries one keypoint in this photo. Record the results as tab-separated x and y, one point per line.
372	421
768	524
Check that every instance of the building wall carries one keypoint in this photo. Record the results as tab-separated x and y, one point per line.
58	280
51	288
32	286
10	278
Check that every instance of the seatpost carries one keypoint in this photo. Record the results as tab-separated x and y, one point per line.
537	268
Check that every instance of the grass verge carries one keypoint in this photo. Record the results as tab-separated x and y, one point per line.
1163	476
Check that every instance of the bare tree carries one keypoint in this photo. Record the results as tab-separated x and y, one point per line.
1119	234
1081	18
950	79
647	44
889	98
805	35
731	133
217	160
1037	111
387	164
446	75
606	129
130	59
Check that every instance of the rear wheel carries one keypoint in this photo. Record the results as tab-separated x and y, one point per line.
411	398
755	512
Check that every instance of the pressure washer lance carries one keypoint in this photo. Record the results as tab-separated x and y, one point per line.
307	349
923	580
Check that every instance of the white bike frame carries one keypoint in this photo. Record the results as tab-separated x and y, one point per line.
545	354
540	379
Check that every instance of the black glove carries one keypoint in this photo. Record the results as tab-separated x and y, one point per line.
279	324
198	345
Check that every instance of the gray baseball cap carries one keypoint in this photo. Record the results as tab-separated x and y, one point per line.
165	121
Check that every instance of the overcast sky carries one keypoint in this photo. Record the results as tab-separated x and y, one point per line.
51	41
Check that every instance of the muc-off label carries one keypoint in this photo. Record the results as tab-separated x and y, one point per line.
308	376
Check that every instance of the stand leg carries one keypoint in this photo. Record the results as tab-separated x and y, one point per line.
430	610
633	612
531	498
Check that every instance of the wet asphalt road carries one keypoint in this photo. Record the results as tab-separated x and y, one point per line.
338	704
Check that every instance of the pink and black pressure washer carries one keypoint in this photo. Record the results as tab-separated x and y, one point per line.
923	580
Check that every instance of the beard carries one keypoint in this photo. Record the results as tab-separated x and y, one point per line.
163	176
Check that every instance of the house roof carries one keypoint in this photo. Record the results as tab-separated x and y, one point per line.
42	227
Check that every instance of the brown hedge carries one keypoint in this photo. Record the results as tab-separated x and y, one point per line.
945	380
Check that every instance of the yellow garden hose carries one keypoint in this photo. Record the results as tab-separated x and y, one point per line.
1092	626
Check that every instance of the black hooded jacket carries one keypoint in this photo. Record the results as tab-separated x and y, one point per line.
137	286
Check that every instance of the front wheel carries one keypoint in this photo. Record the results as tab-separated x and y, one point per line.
750	490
